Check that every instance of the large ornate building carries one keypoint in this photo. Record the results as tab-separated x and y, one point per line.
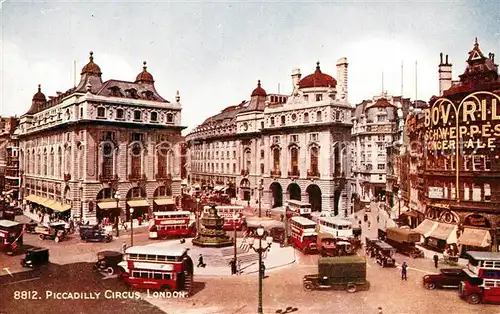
461	132
9	157
79	148
289	147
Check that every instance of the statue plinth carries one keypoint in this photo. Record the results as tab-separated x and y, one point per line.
211	234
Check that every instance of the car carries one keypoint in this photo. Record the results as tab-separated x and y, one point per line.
447	278
96	236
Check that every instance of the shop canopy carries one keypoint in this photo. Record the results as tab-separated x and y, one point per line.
426	227
138	203
396	208
475	237
219	187
446	232
164	201
52	204
107	204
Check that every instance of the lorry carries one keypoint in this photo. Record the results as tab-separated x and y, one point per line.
328	245
403	240
343	272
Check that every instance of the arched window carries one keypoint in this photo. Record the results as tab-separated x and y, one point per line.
59	162
170	162
80	163
52	163
45	163
306	117
314	154
135	167
107	161
294	160
162	154
248	160
28	162
283	120
67	168
276	159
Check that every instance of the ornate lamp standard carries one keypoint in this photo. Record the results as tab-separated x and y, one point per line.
131	226
117	198
235	216
260	250
197	213
260	197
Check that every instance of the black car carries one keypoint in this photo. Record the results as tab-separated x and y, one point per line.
35	257
86	228
447	278
107	261
96	236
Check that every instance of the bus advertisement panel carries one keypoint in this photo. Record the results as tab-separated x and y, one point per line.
172	223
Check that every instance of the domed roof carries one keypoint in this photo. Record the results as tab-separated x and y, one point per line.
91	67
39	96
318	79
144	76
259	91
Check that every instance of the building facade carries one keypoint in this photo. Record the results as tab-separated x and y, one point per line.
377	124
461	131
9	158
281	147
81	147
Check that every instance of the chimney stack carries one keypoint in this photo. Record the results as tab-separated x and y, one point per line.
445	75
296	78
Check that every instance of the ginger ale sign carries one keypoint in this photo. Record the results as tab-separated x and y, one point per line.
471	125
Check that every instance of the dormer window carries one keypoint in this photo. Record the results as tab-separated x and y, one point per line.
115	91
306	98
101	112
154	117
137	115
170	118
131	93
319	97
148	95
119	113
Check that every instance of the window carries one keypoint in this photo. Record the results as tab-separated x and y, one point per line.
101	112
276	139
119	113
380	138
314	156
306	117
136	162
234	168
313	137
487	192
381	166
487	163
476	163
380	147
294	138
262	124
445	191
276	159
306	98
466	192
162	155
380	177
294	152
261	168
319	97
283	120
170	118
107	161
81	112
319	116
137	137
271	121
476	192
262	154
137	115
154	116
453	193
381	118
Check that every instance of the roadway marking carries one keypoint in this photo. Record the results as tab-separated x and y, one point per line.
8	271
25	280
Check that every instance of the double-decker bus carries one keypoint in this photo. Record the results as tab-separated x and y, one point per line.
172	223
11	236
484	283
298	208
228	213
338	228
303	234
159	268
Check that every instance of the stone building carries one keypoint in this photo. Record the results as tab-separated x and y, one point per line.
9	158
290	146
461	154
80	147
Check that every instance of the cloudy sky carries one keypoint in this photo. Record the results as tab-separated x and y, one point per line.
214	52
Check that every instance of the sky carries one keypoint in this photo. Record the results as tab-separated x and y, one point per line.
214	52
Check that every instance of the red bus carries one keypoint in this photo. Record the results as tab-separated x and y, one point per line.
298	208
484	283
303	234
11	236
158	268
228	213
172	223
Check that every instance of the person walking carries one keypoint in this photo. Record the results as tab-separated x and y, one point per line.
124	247
232	263
403	271
436	260
238	267
200	261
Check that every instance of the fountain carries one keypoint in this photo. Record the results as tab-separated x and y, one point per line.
212	235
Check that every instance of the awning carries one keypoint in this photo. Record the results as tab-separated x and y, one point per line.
107	204
219	187
164	201
404	208
31	197
446	232
60	207
184	182
426	227
138	203
411	213
475	237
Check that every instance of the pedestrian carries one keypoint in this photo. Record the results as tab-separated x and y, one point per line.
369	224
436	260
139	220
238	267
403	271
232	263
200	261
124	247
380	310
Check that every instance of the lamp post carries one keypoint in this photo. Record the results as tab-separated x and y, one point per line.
260	250
260	196
235	216
117	198
399	203
197	215
286	225
131	226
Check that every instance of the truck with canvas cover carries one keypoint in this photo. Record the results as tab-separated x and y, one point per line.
345	272
329	245
403	240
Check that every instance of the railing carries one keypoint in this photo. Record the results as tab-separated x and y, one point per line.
313	174
137	176
276	173
294	174
106	177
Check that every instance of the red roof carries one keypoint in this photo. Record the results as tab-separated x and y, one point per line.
91	67
317	79
259	91
144	76
381	102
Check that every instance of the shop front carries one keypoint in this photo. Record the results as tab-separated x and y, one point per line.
443	236
425	229
49	209
476	234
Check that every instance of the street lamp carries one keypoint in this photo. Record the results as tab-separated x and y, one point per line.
399	203
286	225
235	216
197	215
117	210
131	226
260	196
260	250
